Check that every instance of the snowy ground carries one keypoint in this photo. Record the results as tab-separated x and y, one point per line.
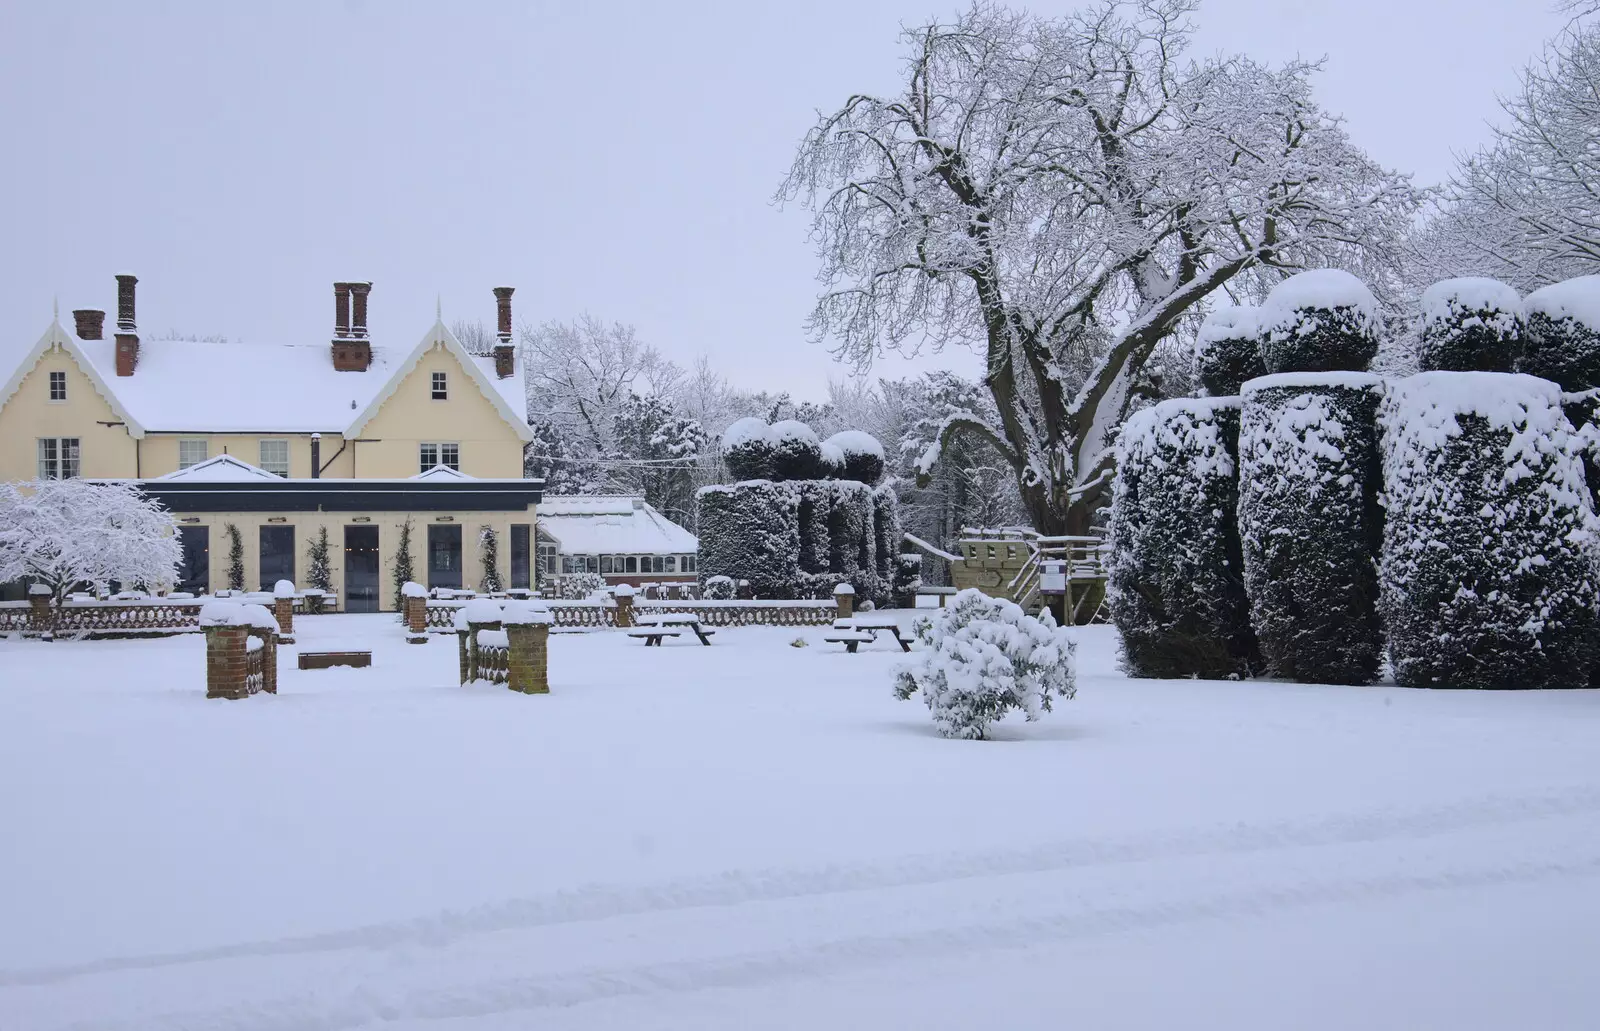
758	836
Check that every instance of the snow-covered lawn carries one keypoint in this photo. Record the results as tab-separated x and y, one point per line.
757	836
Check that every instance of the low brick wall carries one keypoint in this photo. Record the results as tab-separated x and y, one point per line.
598	615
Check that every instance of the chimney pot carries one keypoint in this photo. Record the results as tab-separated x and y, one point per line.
358	293
90	323
125	308
341	309
502	297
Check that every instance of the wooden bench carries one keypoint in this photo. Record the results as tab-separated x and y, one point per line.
849	638
654	634
326	660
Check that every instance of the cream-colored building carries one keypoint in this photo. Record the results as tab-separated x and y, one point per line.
281	441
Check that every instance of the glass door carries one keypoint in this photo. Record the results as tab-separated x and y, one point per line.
361	569
277	556
194	573
444	556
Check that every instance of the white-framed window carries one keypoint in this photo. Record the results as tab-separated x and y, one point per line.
191	452
441	386
432	453
549	559
686	563
275	457
58	386
605	564
58	458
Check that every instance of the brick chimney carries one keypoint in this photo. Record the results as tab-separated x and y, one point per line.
352	351
127	335
505	353
91	323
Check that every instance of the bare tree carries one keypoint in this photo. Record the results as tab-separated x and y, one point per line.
1060	193
474	335
580	374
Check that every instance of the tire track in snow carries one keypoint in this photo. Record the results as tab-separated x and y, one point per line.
316	1011
600	902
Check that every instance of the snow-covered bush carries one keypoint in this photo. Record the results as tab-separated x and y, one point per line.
235	557
985	657
718	588
863	455
1562	343
1489	557
747	448
813	503
907	580
320	573
489	552
1310	523
750	531
1321	320
62	533
796	452
402	565
1176	577
580	586
833	464
1469	325
886	538
1227	352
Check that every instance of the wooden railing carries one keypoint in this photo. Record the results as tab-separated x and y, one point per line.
1017	554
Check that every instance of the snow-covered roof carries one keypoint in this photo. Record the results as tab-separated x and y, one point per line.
442	472
601	525
205	387
221	469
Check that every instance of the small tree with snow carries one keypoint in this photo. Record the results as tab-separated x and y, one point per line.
1227	352
796	452
321	572
1563	341
63	533
581	586
489	552
235	557
1470	325
719	588
402	566
747	448
986	657
1176	573
1321	320
1489	561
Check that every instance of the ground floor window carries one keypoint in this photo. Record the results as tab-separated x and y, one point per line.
361	569
521	565
444	556
58	458
549	560
194	571
277	555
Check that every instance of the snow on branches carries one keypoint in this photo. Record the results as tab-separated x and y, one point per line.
985	657
66	533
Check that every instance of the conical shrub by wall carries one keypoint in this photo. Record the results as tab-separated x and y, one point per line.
1175	577
1310	524
1488	562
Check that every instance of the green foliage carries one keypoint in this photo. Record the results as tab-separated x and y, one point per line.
402	564
235	557
489	551
320	572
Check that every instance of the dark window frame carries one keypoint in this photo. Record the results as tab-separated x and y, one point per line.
439	386
58	386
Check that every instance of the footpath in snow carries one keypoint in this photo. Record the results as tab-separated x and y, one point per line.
753	835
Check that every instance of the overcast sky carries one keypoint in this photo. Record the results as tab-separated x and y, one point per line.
612	158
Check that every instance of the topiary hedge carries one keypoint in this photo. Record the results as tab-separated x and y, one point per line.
1227	352
1470	325
1563	335
1323	320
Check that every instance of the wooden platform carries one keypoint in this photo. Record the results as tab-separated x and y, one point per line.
326	660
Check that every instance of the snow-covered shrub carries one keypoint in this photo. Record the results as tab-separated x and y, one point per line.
718	588
1310	523
1489	560
1469	325
402	565
320	573
1227	352
750	531
907	579
813	502
1562	343
235	557
1176	576
863	455
796	452
886	537
579	586
747	450
833	464
985	657
1321	320
489	552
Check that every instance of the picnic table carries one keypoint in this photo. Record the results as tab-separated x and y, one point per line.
654	628
858	630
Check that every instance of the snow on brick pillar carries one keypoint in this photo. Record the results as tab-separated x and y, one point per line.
416	611
624	595
283	610
269	659
844	596
90	323
225	661
39	609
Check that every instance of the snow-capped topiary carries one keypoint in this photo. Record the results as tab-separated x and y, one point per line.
985	657
1176	576
717	588
1562	343
886	538
833	465
750	531
1310	523
1489	557
796	452
1227	352
863	455
747	449
1469	325
1321	320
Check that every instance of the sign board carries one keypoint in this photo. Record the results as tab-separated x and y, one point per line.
1053	577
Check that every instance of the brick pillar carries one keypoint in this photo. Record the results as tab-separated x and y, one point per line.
530	655
225	658
358	314
463	663
269	664
625	610
283	612
844	596
416	620
341	309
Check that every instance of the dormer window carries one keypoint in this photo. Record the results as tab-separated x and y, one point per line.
441	387
58	386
